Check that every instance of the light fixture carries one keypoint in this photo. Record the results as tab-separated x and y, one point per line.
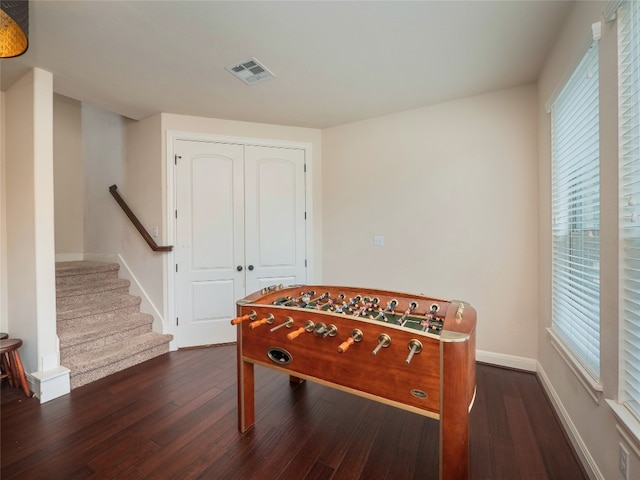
14	28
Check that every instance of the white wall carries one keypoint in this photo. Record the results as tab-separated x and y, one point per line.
453	190
589	422
103	151
68	177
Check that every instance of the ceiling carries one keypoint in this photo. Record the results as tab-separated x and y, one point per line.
334	62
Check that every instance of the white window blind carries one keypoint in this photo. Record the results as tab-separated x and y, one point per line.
629	152
575	157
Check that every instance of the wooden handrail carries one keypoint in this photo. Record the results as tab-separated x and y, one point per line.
136	223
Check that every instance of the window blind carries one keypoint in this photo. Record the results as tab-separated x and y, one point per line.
575	157
629	153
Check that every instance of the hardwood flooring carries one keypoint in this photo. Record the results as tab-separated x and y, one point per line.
174	417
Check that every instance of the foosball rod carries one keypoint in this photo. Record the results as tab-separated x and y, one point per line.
288	323
356	336
249	316
411	308
268	319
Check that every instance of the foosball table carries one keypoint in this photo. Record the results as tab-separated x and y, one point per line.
344	337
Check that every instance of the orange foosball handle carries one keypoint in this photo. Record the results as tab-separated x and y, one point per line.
257	323
249	316
295	333
344	346
241	319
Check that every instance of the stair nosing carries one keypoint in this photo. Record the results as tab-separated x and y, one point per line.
87	361
84	267
96	286
68	312
100	330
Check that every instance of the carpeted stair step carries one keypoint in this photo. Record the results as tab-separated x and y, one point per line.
75	272
101	310
83	338
99	325
74	294
100	362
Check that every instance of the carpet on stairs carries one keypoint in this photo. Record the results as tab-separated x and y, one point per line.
99	324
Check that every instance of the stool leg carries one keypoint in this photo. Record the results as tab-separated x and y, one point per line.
19	373
7	367
4	368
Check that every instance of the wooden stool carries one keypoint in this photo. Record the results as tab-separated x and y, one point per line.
12	368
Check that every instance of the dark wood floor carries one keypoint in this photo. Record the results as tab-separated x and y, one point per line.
175	417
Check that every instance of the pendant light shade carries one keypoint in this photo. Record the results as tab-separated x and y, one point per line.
14	28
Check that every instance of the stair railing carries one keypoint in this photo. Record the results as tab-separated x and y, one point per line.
136	223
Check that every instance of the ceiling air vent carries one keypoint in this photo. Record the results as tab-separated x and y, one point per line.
250	71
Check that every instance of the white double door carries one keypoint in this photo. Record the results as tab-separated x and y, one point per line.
240	227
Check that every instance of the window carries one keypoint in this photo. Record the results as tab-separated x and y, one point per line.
575	157
629	153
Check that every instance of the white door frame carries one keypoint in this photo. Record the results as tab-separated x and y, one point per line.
170	189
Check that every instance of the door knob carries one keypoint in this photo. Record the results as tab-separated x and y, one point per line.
250	267
239	268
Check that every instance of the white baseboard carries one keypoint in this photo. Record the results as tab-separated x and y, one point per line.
101	257
135	288
504	360
69	257
586	459
50	384
146	305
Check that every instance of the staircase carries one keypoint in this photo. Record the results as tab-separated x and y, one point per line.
100	326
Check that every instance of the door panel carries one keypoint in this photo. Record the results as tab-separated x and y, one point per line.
210	240
275	216
212	230
203	308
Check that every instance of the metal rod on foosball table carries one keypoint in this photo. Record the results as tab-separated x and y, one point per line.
288	323
384	341
331	302
317	299
403	319
367	304
380	317
268	319
301	298
415	346
432	321
391	305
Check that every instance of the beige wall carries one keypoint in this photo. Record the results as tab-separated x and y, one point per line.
144	189
590	422
453	190
68	176
4	313
29	220
103	152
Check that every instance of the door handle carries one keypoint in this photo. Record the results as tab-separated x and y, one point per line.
239	268
250	267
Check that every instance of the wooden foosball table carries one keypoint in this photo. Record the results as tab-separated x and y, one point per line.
344	337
